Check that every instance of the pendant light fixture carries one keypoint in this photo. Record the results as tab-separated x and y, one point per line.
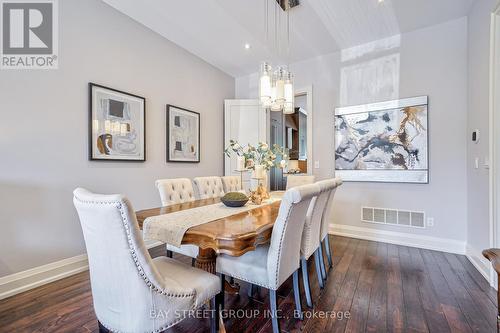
289	106
265	85
276	87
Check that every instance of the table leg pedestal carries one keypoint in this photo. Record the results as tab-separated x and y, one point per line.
206	260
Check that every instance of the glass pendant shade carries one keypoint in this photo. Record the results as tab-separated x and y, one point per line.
265	84
274	106
289	95
280	85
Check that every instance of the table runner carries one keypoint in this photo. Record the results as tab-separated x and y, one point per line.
170	228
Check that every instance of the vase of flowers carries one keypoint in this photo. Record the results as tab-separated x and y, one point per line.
260	158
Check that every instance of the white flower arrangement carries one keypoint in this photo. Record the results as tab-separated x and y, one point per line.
260	155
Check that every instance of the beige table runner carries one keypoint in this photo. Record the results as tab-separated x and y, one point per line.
170	228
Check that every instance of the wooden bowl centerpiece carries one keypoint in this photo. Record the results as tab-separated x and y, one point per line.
234	199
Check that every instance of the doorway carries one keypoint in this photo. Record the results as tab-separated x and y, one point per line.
294	132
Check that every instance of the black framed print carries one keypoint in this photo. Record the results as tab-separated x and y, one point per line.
117	125
183	135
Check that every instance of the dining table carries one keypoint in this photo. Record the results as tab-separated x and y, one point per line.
232	235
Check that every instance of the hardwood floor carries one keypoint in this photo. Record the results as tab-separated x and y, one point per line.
383	288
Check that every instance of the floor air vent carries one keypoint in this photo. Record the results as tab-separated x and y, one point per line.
393	217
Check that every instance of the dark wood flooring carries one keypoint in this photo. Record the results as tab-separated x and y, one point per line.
384	288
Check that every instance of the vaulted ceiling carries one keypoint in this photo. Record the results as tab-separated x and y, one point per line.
217	30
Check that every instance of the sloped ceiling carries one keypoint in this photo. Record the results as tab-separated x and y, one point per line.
217	30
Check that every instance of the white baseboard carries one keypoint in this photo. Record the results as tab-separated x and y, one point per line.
481	263
16	283
399	238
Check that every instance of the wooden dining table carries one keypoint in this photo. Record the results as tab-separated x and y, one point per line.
234	235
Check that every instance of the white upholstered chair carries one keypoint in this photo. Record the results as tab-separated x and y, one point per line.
310	244
232	184
176	191
131	291
296	180
209	187
325	224
271	265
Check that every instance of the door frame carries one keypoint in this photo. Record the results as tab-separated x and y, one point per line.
494	136
308	91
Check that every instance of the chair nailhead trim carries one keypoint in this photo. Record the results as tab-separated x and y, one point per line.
281	241
247	280
119	205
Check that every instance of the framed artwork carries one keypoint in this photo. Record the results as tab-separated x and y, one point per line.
183	135
383	142
117	130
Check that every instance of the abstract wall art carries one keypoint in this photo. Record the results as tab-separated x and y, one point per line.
383	142
116	125
183	135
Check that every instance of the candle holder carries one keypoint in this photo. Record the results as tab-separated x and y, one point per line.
241	172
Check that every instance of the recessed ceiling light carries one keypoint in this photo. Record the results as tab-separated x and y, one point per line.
380	1
247	46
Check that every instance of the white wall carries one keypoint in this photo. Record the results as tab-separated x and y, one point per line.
431	61
478	233
43	129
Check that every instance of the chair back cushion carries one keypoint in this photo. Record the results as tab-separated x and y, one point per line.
125	284
231	184
294	181
326	218
312	226
175	191
284	253
209	187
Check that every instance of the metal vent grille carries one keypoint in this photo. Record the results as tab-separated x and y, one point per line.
393	217
404	218
367	214
417	220
379	215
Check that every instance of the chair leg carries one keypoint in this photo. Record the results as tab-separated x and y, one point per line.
250	290
102	329
222	292
328	251
318	268
322	262
296	294
214	318
193	262
274	311
305	280
169	254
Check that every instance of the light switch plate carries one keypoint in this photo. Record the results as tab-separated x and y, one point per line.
316	164
475	136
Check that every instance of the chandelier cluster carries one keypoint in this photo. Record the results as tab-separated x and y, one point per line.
276	89
276	84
